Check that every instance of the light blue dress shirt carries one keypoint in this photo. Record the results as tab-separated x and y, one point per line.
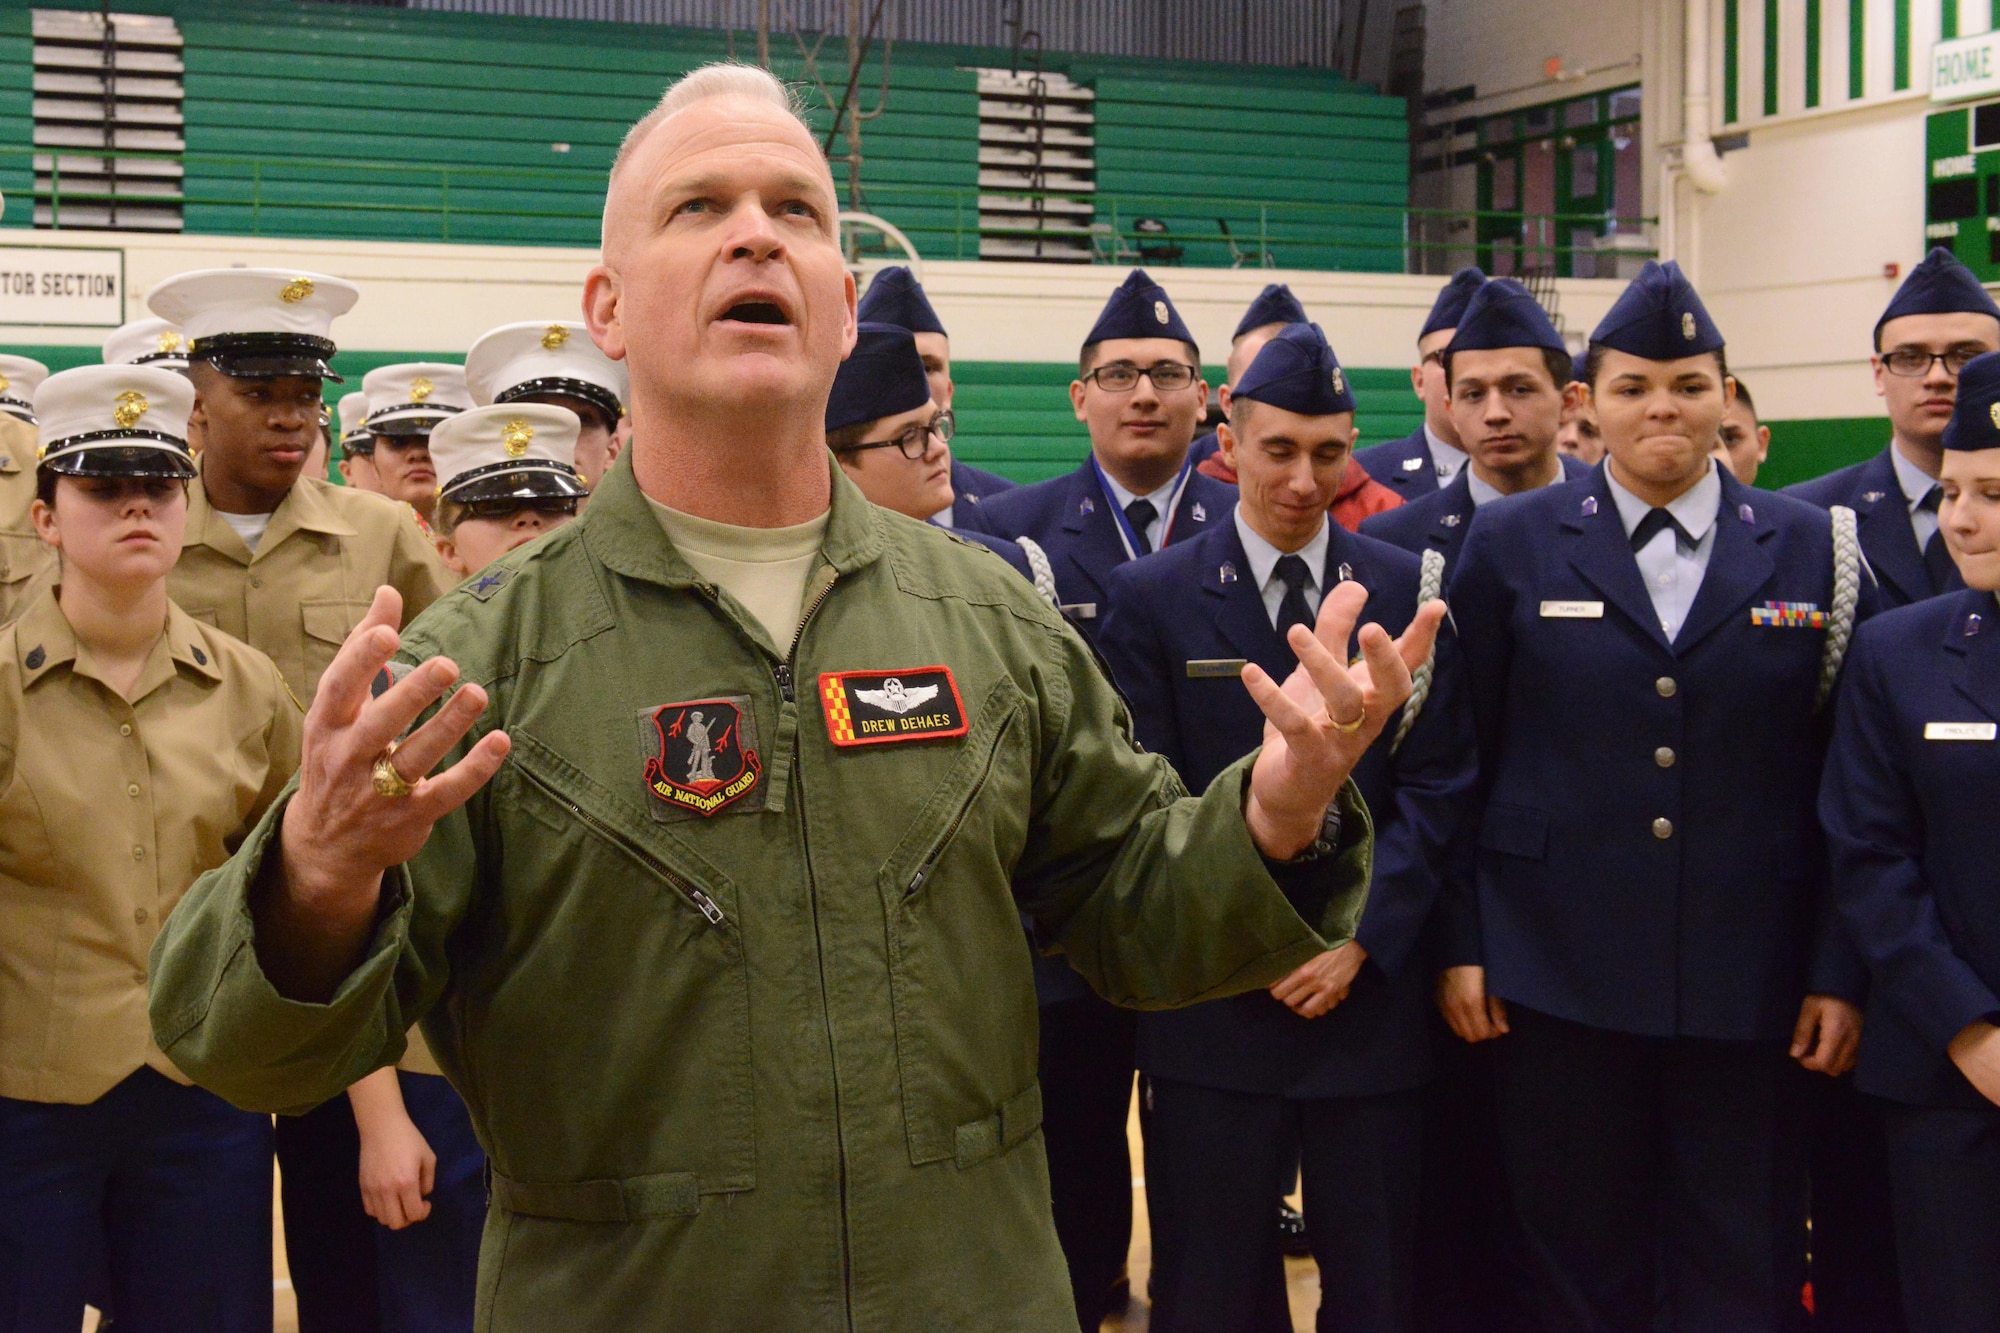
1672	569
1264	564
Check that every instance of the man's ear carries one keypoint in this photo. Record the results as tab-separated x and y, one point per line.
1576	397
1076	400
601	293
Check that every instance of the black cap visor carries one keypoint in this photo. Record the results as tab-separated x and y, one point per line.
539	480
119	455
267	356
576	391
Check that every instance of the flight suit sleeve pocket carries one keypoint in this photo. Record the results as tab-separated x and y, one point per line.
1018	1117
1515	830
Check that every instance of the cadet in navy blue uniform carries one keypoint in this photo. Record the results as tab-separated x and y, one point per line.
1939	319
1908	804
1644	647
1274	308
1507	384
1427	459
1140	391
1237	1090
896	297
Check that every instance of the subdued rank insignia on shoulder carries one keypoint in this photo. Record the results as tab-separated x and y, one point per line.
1789	615
877	707
701	756
490	582
1198	513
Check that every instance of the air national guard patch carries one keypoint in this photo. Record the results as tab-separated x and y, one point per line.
701	756
878	707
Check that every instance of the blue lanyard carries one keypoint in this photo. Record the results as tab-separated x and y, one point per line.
1126	534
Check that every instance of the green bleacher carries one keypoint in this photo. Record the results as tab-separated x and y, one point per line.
384	124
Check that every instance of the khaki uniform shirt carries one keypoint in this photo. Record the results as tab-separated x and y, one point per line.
744	1016
108	811
312	577
22	555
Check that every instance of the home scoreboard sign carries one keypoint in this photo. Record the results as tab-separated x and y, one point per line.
55	286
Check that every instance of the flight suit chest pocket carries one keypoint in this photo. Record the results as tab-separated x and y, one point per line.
961	987
325	625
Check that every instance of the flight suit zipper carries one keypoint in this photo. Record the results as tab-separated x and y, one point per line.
785	674
701	901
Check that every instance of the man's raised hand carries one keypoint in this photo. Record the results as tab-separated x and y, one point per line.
340	831
1319	723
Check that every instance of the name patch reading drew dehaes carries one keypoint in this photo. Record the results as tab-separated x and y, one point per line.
881	707
703	755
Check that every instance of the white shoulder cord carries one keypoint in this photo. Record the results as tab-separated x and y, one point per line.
1846	594
1430	583
1045	574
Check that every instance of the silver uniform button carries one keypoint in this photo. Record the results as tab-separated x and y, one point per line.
1664	757
1666	686
1663	828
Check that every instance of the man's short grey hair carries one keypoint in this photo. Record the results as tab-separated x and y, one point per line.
725	78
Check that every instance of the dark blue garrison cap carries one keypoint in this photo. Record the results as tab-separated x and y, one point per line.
1941	285
1504	314
1274	305
1975	414
1298	372
1451	302
881	377
896	297
1139	309
1659	317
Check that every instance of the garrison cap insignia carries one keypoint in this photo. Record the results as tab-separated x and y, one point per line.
1339	380
1590	506
1198	513
421	389
1687	325
295	291
878	707
701	762
490	582
514	436
554	338
1227	574
1160	311
131	405
35	658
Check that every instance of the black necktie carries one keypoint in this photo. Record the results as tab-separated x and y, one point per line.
1650	526
1294	608
1937	557
1141	513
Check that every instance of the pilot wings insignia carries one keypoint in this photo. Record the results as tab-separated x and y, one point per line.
893	697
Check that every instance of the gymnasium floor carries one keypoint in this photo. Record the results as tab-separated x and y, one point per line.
1302	1278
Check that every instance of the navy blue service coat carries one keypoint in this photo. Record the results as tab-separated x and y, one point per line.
1071	517
1649	857
1440	520
1882	521
972	487
1391	464
1909	808
1196	602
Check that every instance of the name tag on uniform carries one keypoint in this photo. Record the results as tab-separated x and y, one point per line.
1216	668
876	707
1961	731
1572	610
1079	610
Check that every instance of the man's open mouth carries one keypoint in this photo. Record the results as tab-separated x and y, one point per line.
756	312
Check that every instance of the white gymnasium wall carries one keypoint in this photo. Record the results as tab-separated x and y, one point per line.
439	298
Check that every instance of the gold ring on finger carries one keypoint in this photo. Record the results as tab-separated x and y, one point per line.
1349	728
388	782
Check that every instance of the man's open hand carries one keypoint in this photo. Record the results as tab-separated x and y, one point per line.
1326	715
1321	982
340	834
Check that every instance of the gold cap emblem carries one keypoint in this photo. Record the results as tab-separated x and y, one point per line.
420	389
168	341
1160	311
3	384
556	337
297	290
1994	412
515	436
1687	325
130	407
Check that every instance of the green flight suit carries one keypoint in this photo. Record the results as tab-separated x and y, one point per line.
771	1067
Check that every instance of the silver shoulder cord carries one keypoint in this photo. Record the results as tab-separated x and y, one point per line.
1430	583
1045	574
1846	593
